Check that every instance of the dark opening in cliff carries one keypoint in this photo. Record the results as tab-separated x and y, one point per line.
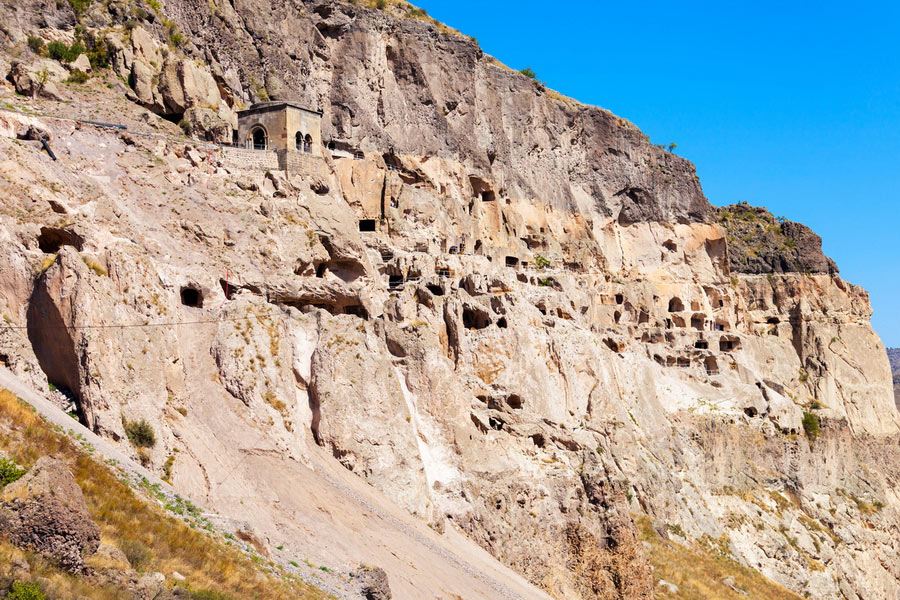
474	318
697	322
701	345
676	305
51	239
488	196
367	225
512	261
727	344
192	297
395	281
712	367
53	345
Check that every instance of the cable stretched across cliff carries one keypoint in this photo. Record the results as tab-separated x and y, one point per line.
139	325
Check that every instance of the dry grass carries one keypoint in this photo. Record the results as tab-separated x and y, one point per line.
699	574
126	517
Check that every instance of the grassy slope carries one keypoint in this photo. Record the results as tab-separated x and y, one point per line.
128	519
698	573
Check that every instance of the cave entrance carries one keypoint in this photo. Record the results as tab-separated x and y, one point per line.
676	305
475	319
192	297
367	225
512	261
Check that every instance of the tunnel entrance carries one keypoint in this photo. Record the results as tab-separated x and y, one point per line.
191	297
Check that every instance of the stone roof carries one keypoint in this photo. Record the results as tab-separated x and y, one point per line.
276	105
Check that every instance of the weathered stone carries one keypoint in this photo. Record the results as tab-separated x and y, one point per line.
373	583
81	63
46	512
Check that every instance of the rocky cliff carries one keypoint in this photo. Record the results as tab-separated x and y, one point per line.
894	358
550	338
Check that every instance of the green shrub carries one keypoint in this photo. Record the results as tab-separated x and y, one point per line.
540	262
9	472
528	72
140	433
59	51
79	6
35	43
77	76
380	4
137	553
22	590
811	425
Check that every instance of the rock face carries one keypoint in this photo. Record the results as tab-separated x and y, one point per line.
758	243
549	329
45	511
894	358
373	583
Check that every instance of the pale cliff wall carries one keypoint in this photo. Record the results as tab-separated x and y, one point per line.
534	409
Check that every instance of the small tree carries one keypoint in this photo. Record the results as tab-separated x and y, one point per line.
811	425
529	72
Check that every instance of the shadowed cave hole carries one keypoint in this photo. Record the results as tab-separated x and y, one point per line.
475	319
191	297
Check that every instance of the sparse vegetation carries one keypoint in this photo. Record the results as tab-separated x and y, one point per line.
209	565
21	590
137	553
140	433
528	72
63	53
77	76
94	266
9	472
698	572
811	425
36	44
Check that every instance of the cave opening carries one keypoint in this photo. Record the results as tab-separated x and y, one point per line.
192	297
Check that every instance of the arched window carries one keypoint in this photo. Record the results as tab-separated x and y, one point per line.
259	138
298	143
307	144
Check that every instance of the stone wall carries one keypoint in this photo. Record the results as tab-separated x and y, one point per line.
246	159
289	161
299	163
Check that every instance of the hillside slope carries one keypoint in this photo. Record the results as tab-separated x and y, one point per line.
549	352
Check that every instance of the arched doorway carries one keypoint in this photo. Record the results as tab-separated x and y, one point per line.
259	138
298	141
307	144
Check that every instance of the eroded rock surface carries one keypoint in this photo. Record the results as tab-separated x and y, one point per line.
45	511
548	332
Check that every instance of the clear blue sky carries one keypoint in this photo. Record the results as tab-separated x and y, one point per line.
791	105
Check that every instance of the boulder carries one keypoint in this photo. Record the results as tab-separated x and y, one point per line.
143	82
373	583
29	81
204	123
81	63
45	511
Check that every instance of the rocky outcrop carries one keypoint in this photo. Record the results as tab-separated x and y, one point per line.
760	243
45	511
894	359
548	331
373	583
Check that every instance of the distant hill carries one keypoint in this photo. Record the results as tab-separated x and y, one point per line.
894	357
